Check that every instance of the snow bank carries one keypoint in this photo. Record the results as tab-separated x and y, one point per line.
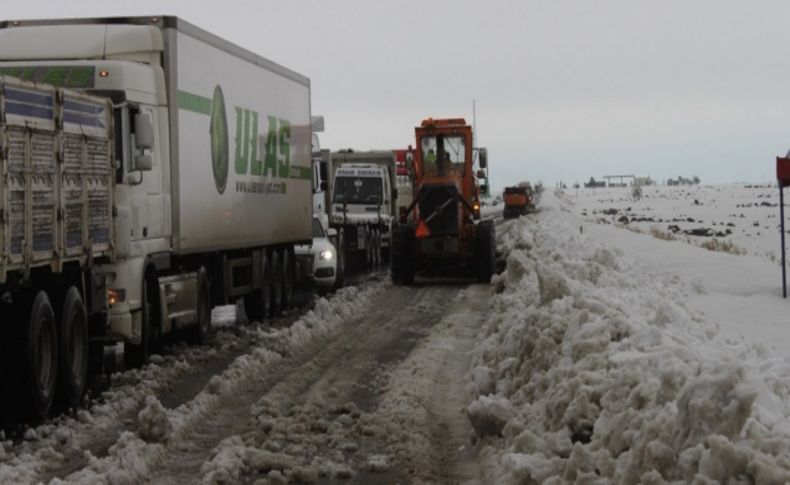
613	379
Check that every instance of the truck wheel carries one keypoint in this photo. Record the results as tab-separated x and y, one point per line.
73	348
369	250
373	250
379	257
289	275
136	355
402	255
277	284
203	325
258	303
41	355
385	251
485	247
340	269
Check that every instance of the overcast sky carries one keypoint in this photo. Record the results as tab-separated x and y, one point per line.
565	90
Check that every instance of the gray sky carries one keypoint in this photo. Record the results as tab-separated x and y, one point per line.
565	89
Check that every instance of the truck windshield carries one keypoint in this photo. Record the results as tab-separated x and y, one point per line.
357	190
443	155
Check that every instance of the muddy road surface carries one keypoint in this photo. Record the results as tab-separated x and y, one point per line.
369	386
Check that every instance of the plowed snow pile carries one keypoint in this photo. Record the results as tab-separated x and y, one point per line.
594	370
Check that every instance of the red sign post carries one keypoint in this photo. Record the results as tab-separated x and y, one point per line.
783	177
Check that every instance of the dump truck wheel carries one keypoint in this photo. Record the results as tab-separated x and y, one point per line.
485	247
73	349
41	356
402	254
377	249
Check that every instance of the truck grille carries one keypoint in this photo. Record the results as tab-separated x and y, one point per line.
439	208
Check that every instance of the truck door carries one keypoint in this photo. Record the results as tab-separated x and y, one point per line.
153	183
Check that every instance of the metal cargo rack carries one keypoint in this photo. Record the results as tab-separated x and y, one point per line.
57	177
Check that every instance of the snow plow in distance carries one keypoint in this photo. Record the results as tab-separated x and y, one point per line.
440	233
517	201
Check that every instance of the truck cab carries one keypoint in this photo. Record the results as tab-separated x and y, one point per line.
362	205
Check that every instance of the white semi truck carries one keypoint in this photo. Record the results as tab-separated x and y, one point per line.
172	175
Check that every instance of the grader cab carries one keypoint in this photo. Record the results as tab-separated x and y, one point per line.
441	234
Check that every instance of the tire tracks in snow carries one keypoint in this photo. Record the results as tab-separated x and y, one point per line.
428	396
329	378
204	362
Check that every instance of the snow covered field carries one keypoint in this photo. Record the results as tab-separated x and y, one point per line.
601	364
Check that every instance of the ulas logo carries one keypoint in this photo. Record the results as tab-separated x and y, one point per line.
218	129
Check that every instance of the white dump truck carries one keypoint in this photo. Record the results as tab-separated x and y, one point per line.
361	203
150	170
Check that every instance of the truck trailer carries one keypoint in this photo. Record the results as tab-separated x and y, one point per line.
151	170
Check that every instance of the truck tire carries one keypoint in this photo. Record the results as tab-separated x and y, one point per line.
340	270
385	251
379	249
289	276
41	356
277	283
376	249
200	332
369	250
258	304
136	355
485	251
402	255
73	349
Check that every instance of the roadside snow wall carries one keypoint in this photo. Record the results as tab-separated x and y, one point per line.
612	379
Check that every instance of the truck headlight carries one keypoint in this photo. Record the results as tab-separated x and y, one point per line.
115	295
326	255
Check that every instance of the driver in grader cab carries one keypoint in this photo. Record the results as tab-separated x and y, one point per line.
440	166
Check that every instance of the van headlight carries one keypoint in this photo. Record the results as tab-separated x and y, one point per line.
326	255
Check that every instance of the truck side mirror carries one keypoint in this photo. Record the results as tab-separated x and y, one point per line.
394	194
324	185
483	158
481	174
143	131
143	163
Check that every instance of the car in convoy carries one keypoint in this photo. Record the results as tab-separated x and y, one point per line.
318	260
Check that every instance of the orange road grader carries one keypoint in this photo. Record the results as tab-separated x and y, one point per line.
440	233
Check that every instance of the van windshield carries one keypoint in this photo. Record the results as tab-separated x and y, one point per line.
357	190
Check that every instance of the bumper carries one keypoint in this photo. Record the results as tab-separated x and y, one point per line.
124	323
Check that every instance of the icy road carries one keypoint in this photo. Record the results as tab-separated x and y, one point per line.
596	357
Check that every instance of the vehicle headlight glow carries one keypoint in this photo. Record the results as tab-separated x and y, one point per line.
326	255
